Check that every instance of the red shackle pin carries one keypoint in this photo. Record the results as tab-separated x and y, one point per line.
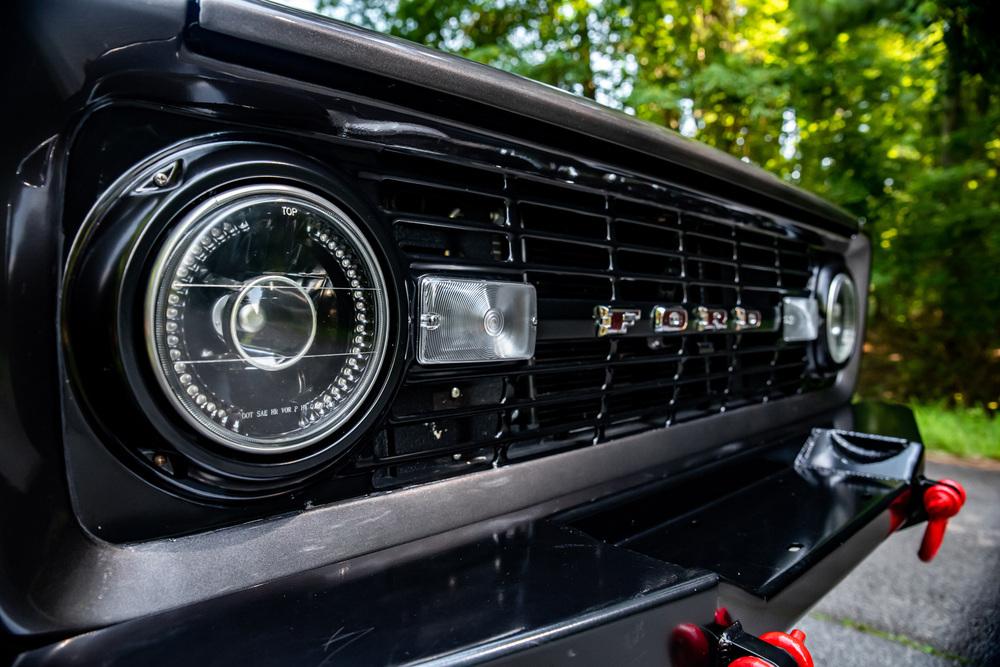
793	643
942	501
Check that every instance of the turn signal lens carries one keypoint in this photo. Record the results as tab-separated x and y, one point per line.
475	321
800	319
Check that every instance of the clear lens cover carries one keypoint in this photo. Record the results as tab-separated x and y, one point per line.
475	320
841	318
799	319
266	318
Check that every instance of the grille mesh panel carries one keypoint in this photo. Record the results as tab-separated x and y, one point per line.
581	248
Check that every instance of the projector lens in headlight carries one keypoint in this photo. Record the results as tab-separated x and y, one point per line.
475	320
841	318
266	318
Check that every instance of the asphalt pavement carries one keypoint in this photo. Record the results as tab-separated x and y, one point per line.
895	610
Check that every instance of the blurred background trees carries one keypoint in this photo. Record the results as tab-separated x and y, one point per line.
890	108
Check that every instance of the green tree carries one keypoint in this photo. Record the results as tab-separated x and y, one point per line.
890	108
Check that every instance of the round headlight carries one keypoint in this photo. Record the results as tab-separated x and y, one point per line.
841	318
266	318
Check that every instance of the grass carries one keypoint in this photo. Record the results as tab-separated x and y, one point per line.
959	431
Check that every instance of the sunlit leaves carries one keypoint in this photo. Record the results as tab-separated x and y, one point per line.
890	108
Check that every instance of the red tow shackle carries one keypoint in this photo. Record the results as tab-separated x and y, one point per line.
794	644
942	501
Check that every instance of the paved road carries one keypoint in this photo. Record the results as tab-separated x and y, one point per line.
950	607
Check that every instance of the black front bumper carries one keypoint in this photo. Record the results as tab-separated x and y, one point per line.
606	582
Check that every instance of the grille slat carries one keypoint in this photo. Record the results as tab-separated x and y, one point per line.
582	247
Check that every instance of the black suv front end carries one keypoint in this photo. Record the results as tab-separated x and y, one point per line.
280	468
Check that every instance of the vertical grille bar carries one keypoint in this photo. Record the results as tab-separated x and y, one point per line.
582	248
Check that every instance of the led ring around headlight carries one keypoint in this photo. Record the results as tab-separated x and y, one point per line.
266	318
841	318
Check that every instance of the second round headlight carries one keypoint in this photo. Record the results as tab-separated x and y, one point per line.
841	318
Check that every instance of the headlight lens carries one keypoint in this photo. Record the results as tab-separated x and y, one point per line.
266	318
841	318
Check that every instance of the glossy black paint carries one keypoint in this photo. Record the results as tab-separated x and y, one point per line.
116	147
58	576
46	63
756	520
347	46
543	591
486	600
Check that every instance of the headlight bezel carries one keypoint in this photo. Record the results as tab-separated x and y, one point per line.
104	326
841	351
832	281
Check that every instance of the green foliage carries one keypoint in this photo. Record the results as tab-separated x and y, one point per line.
890	108
963	431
